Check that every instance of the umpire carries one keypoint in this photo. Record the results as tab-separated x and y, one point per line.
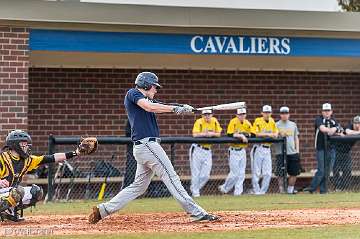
288	129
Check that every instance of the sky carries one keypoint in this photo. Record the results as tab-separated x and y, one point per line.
305	5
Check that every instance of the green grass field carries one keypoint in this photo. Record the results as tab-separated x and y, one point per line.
225	203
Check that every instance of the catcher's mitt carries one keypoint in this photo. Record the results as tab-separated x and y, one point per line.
87	146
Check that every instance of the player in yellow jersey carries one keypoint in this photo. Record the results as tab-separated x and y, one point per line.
200	154
239	127
15	161
260	155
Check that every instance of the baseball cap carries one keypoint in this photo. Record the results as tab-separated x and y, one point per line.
206	112
326	106
241	111
356	119
266	109
284	109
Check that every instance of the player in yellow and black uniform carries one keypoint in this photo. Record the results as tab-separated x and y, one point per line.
200	154
261	154
15	161
239	127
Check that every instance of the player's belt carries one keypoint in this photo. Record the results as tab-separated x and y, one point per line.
148	140
198	145
236	149
265	146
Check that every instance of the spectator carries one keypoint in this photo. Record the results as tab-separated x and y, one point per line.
261	164
343	162
325	125
239	127
200	154
288	129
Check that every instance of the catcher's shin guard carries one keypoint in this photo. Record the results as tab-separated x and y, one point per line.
15	196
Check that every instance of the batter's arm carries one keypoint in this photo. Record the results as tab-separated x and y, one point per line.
155	107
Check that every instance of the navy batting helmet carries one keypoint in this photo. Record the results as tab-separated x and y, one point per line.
146	79
13	140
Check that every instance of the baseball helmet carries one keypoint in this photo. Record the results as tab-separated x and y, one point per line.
13	140
146	79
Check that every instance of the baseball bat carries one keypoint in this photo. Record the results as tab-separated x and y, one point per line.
228	106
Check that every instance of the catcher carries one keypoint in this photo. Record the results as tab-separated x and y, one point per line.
15	161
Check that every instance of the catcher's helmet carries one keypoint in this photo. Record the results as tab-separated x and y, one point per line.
13	140
146	79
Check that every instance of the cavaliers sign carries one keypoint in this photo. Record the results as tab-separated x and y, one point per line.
240	45
193	44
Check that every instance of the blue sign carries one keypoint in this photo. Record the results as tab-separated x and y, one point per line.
129	42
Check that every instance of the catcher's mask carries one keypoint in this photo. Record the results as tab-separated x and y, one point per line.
13	140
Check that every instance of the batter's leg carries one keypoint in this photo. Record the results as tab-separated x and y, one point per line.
161	165
137	188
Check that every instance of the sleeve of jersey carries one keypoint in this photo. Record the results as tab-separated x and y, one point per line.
231	128
35	162
218	128
196	128
135	96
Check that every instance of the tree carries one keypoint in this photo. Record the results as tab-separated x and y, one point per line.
350	5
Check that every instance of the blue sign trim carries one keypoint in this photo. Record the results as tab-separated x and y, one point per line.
128	42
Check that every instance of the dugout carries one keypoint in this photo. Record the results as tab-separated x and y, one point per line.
65	66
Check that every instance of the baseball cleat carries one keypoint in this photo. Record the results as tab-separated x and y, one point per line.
207	217
95	216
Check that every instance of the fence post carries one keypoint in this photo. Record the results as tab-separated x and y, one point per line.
51	150
326	163
284	151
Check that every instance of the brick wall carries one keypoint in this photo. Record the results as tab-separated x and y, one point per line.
90	101
14	62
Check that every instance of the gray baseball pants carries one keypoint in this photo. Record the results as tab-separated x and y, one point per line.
151	159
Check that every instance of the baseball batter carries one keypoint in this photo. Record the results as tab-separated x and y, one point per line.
15	161
261	164
150	156
200	155
239	127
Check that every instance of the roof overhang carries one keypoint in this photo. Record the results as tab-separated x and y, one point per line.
172	16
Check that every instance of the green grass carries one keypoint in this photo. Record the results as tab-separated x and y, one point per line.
213	203
338	232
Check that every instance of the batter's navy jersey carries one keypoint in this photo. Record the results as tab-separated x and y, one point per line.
143	123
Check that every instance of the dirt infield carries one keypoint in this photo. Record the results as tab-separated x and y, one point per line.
179	222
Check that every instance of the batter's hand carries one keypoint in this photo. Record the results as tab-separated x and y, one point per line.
4	183
183	109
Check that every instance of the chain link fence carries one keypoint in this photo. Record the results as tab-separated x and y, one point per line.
344	168
104	173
